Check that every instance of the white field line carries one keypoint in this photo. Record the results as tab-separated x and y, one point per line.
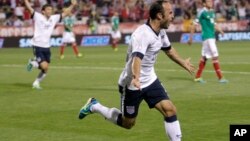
117	69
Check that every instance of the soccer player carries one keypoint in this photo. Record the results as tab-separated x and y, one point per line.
115	33
68	36
44	24
209	50
138	80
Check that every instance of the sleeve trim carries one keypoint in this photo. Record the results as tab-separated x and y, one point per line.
32	15
60	20
166	48
137	54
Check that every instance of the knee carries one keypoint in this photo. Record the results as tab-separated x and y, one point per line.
44	66
214	58
128	124
170	111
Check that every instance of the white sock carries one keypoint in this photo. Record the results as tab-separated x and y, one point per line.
173	130
39	78
34	64
110	114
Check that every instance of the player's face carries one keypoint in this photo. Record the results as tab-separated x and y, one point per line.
168	15
209	4
48	11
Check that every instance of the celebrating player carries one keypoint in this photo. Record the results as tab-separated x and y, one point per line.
209	50
68	36
44	24
138	81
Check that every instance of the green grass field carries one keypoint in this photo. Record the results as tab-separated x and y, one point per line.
205	111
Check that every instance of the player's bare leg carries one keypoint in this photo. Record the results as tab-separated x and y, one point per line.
202	65
76	51
217	69
172	125
44	69
114	44
113	115
62	51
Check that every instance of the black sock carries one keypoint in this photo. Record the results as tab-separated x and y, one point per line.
119	120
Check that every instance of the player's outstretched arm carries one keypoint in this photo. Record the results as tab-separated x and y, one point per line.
186	64
68	10
28	6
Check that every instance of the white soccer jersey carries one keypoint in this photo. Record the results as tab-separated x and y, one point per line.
147	43
43	29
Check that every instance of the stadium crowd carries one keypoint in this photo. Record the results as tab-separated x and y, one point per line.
13	12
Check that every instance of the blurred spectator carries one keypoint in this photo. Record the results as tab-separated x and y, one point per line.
248	12
187	21
129	10
9	21
93	22
17	22
220	12
105	10
5	5
37	6
84	12
2	16
145	13
27	17
178	11
241	6
13	3
125	13
231	12
19	10
136	11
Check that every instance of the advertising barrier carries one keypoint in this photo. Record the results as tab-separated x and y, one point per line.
186	36
104	40
85	41
21	36
235	36
1	42
125	28
95	40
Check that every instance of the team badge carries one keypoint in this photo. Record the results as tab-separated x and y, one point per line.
130	109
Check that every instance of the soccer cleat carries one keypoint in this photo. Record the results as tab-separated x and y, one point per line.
85	110
36	86
79	55
200	80
223	80
61	56
29	65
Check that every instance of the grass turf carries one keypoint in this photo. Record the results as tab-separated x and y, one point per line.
205	111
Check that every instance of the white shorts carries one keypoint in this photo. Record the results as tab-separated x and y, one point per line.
116	34
209	49
68	37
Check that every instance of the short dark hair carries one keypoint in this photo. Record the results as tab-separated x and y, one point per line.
156	8
45	6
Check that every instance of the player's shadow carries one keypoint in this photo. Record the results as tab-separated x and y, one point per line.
23	85
102	89
179	78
